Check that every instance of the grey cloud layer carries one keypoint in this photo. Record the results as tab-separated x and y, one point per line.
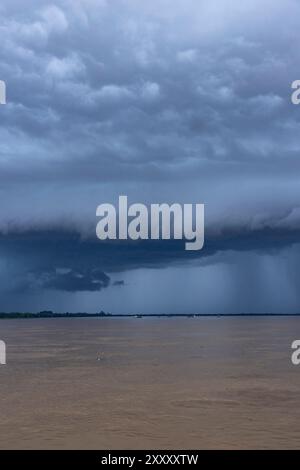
110	91
162	100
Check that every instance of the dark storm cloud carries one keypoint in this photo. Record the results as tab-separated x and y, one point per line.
72	281
66	261
119	283
181	101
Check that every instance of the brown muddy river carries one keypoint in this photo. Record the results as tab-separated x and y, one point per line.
195	383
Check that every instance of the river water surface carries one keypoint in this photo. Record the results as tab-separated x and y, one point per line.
151	383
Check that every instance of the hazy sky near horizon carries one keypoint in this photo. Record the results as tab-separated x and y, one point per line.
164	101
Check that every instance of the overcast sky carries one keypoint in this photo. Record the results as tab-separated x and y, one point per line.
164	101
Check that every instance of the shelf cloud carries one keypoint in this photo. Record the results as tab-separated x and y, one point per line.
164	101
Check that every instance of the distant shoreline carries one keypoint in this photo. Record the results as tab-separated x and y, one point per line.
49	314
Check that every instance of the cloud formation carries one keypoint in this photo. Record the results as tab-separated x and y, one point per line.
165	101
